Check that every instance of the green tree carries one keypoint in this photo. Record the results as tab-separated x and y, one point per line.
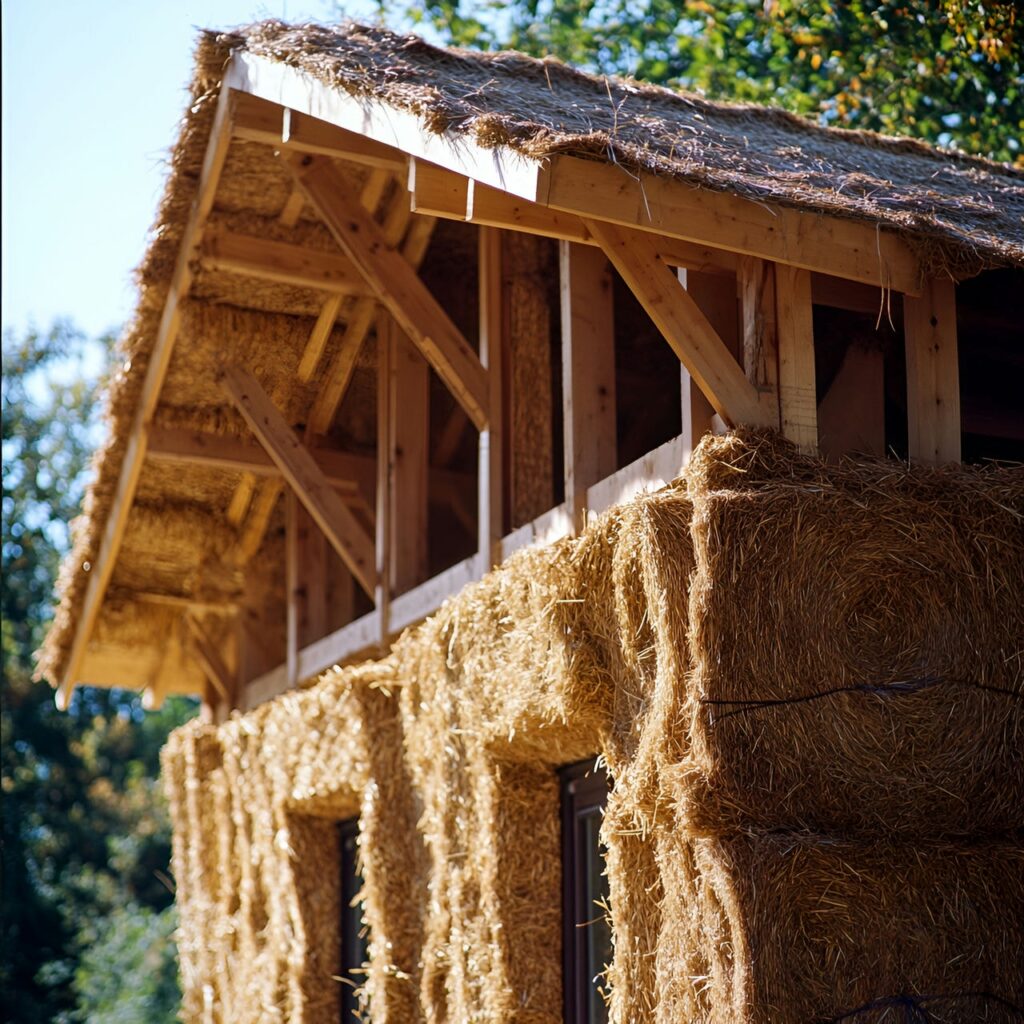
85	836
947	71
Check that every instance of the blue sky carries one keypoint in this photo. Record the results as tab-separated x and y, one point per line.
92	93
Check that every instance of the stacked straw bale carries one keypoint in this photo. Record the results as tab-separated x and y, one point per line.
806	683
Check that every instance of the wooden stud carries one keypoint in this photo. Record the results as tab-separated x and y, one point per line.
396	285
296	464
289	215
813	241
409	410
385	507
491	511
933	374
588	373
759	330
798	405
682	324
293	570
319	337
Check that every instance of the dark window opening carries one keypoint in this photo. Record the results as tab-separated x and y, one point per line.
586	936
354	933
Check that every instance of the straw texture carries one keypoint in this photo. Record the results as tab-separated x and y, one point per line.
849	856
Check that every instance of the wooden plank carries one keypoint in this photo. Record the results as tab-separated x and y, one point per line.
385	507
454	197
759	328
682	324
318	337
553	525
491	506
812	241
798	403
404	130
409	410
349	474
651	472
296	464
416	604
264	122
280	262
933	375
588	373
156	370
289	215
396	285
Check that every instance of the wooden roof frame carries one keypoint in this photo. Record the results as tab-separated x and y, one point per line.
586	202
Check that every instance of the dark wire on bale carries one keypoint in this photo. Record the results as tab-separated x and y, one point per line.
913	1007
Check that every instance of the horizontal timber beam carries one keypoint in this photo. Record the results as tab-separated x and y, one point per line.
259	120
832	245
683	325
396	284
442	193
280	262
340	527
345	472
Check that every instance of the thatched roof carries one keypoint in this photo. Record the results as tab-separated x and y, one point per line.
543	107
959	212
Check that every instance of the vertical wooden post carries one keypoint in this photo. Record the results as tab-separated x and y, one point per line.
588	373
758	330
382	597
798	403
851	415
933	374
715	294
408	435
293	577
491	452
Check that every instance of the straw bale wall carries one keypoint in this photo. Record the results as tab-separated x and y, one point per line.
846	846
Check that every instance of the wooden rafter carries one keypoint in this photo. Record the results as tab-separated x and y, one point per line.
396	285
280	262
682	324
156	370
296	464
209	658
812	241
270	124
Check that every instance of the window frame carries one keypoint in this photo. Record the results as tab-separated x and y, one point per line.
584	789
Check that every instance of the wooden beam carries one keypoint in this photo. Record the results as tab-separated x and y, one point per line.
491	453
297	466
933	374
289	215
156	370
280	262
270	124
813	241
213	665
319	337
396	285
347	473
292	582
798	405
443	193
385	507
588	373
650	472
682	324
409	410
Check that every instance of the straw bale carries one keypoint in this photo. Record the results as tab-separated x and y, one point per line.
855	634
771	928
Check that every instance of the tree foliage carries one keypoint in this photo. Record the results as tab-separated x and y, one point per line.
947	71
85	837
